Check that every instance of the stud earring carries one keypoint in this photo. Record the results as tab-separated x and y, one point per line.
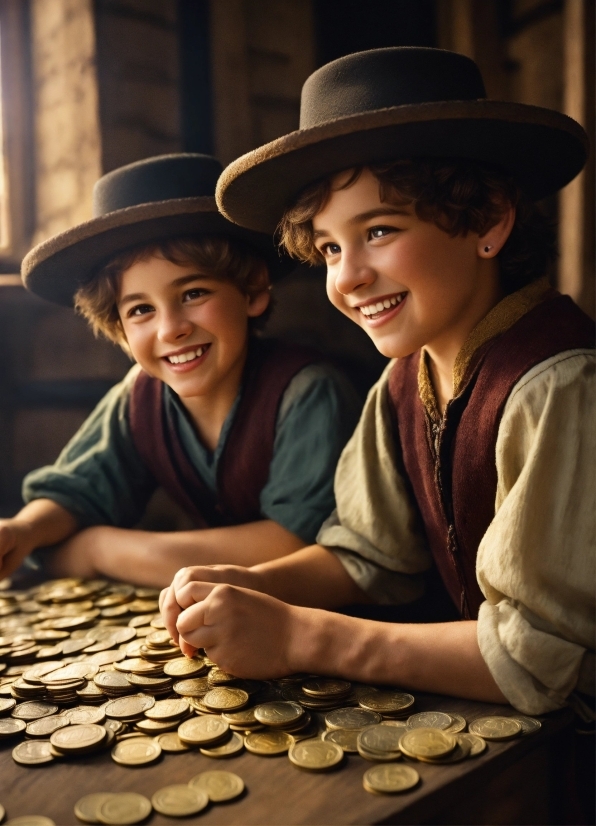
487	249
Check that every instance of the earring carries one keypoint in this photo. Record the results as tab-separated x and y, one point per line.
487	248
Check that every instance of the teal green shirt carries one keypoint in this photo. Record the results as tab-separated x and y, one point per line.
100	478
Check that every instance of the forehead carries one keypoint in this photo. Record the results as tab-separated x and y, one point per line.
347	203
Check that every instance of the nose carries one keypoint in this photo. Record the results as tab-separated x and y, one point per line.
173	325
352	272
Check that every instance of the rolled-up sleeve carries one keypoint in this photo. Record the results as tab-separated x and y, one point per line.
99	476
535	563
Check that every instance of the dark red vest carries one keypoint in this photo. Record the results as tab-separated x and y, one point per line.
243	467
451	465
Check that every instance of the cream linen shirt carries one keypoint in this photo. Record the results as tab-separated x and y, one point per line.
535	563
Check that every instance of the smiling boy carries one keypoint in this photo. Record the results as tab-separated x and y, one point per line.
473	455
243	433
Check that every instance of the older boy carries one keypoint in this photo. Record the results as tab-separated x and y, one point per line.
240	431
474	450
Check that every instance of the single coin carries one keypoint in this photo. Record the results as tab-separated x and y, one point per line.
195	687
459	723
203	731
268	743
430	719
529	724
185	667
160	638
33	710
427	742
351	718
124	808
477	744
155	727
171	743
126	708
32	753
390	778
346	738
225	699
219	677
496	728
46	725
137	751
315	755
6	705
180	800
232	746
326	688
279	713
219	786
459	753
30	820
84	715
167	710
87	808
78	738
244	718
386	702
380	738
10	727
111	679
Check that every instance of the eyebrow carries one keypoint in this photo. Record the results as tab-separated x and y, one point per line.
177	282
366	216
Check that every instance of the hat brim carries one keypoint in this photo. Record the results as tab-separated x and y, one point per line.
541	148
56	268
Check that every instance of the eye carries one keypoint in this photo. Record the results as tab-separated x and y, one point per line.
380	232
140	309
194	293
329	249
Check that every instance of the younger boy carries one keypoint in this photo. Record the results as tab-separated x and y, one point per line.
474	451
240	431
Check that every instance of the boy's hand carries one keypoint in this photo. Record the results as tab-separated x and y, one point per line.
246	633
16	542
193	584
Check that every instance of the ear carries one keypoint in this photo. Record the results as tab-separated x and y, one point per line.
492	242
259	297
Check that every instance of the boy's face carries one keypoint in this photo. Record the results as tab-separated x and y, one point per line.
188	329
406	282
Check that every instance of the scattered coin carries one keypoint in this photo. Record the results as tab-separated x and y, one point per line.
390	778
387	702
351	718
179	800
225	699
430	719
6	705
477	744
10	727
220	786
427	742
78	739
326	688
137	751
529	724
33	711
32	753
46	725
124	808
30	820
496	728
232	746
268	743
345	738
458	723
279	714
171	743
315	755
87	808
203	731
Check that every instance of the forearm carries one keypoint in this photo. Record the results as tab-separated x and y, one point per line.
439	658
46	523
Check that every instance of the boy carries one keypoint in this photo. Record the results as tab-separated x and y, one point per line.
473	453
239	430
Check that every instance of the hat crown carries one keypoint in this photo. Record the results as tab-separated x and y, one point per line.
162	178
384	78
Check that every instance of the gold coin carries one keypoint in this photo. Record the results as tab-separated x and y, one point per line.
33	710
167	710
315	755
126	708
180	800
136	752
459	723
219	677
351	718
203	731
225	699
6	706
30	820
46	725
268	743
32	753
427	742
185	667
160	638
79	738
84	715
124	808
278	713
326	688
232	746
477	744
496	728
386	702
10	727
460	752
219	786
529	724
245	717
380	738
154	727
430	719
390	778
196	687
87	808
346	738
171	743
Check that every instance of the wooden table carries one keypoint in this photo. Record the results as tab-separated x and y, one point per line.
518	782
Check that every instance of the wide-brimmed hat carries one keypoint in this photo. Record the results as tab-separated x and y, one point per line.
397	103
152	199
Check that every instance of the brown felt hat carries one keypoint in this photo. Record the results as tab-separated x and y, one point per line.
398	103
152	199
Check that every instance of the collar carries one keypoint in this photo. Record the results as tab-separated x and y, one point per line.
502	316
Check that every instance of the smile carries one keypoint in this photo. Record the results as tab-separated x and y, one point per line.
190	355
374	310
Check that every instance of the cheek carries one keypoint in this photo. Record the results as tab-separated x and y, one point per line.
335	297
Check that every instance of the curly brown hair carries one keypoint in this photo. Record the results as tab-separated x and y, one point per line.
220	257
457	195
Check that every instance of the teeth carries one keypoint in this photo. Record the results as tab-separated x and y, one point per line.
184	357
372	309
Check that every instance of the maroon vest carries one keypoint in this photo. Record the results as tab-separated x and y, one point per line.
451	465
244	464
